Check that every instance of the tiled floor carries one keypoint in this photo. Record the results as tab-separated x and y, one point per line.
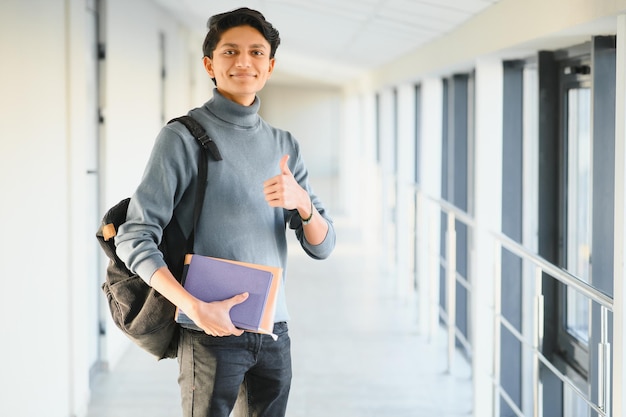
356	351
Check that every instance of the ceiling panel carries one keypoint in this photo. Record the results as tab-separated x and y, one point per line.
437	14
333	40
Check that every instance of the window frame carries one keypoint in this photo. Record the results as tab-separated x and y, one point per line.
572	75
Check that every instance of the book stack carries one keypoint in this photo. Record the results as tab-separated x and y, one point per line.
216	279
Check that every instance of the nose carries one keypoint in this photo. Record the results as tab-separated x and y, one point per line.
243	60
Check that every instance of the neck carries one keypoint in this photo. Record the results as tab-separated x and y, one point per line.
233	112
242	99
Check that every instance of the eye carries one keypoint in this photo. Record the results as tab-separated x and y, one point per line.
258	53
229	52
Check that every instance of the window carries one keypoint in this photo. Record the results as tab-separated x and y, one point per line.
576	208
576	184
457	181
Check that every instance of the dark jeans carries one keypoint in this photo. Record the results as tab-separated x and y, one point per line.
212	369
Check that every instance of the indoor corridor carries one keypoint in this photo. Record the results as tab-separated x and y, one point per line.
355	346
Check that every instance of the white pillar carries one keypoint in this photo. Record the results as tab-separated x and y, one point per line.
619	295
351	150
530	221
488	215
368	186
82	279
404	197
428	220
386	129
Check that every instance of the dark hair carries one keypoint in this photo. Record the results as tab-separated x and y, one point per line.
244	16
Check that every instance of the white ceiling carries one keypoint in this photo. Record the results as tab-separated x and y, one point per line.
332	41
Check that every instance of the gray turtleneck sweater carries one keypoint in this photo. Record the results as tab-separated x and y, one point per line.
236	222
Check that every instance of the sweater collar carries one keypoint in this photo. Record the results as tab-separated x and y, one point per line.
234	113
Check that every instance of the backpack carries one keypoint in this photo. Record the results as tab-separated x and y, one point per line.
139	311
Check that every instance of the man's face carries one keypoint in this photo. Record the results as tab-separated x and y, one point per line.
241	64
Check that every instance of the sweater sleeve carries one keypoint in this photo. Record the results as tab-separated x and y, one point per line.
166	177
324	249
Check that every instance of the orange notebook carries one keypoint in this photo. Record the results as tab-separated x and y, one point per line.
216	279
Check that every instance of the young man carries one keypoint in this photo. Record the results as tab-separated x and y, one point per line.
259	188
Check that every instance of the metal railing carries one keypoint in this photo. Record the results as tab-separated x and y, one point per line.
533	340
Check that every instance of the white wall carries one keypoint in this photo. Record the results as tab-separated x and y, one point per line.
41	178
49	303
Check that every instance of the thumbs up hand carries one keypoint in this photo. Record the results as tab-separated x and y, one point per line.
284	167
284	191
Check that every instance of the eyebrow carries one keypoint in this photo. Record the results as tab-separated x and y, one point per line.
234	45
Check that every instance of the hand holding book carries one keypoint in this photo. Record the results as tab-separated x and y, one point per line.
214	317
225	281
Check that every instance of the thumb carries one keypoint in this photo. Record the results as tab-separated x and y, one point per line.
284	168
237	299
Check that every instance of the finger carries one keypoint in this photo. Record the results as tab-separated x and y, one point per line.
284	168
272	185
269	183
237	299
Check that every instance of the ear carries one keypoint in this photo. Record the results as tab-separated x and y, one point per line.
271	68
208	66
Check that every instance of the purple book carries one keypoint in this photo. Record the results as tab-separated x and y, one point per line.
211	279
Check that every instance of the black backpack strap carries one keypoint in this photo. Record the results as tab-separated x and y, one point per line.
201	136
206	144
